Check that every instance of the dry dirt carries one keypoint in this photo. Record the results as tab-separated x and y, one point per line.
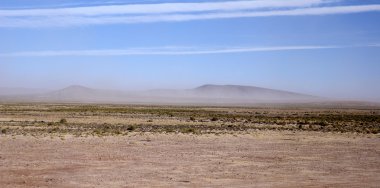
257	159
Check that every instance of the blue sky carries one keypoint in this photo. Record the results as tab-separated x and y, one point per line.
322	47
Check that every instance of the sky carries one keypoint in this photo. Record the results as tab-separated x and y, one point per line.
328	48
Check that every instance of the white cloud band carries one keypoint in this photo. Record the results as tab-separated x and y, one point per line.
171	51
171	12
161	8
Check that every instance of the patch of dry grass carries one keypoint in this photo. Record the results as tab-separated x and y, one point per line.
81	119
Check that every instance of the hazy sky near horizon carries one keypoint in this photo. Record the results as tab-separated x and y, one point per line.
328	48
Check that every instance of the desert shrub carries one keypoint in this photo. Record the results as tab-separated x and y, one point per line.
322	123
106	126
192	118
301	122
214	119
188	130
97	132
169	129
55	129
131	128
3	131
63	121
300	126
280	123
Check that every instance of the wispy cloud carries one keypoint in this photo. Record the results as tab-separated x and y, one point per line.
161	8
173	51
172	12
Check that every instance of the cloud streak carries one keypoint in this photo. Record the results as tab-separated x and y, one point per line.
172	12
173	51
162	8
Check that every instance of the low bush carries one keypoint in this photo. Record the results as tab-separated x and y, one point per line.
63	121
131	128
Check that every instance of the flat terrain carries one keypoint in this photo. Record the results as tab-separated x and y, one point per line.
73	145
60	119
260	159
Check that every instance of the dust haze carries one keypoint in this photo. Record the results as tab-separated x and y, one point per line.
205	94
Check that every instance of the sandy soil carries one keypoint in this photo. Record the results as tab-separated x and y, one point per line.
262	159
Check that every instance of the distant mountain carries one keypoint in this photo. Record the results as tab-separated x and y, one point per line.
77	93
206	94
249	93
74	92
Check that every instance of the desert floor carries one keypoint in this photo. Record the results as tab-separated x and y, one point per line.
93	145
257	159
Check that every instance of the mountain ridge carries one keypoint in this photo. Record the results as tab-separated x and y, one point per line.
242	88
204	94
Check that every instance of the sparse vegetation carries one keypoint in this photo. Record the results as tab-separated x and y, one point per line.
117	119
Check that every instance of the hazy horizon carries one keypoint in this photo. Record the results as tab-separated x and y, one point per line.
317	47
19	91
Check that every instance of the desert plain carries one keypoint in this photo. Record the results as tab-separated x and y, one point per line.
109	145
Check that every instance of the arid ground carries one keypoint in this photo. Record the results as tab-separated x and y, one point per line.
72	145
